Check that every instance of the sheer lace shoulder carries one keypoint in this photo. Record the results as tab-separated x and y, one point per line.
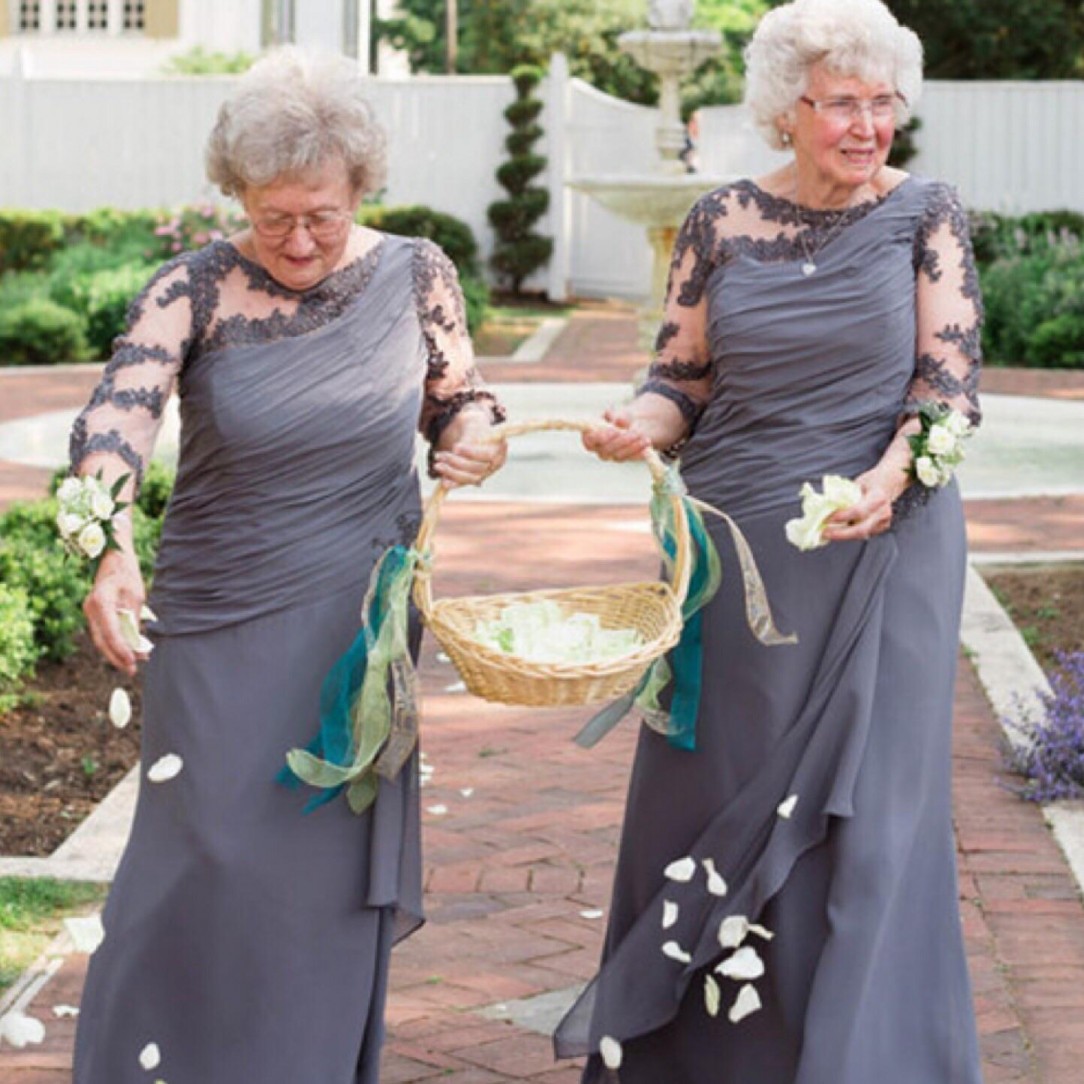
452	381
118	426
948	352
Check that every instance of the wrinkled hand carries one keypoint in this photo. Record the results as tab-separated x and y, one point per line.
117	586
618	441
870	516
472	459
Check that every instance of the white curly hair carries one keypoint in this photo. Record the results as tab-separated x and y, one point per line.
859	38
291	112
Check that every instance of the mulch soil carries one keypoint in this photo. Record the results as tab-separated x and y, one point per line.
59	753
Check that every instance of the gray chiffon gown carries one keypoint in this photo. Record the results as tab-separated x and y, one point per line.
789	374
248	941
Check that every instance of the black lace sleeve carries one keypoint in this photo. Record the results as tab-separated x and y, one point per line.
949	309
116	430
682	368
452	383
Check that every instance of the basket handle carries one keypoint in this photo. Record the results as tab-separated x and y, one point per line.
423	588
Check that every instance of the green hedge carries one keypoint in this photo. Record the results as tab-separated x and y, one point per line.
41	332
17	653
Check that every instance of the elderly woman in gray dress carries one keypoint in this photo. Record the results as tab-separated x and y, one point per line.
245	941
785	906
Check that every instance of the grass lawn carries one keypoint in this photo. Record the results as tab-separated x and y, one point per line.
32	911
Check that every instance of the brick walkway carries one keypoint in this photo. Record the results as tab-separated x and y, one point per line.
526	844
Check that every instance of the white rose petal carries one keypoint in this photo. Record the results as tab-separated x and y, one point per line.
102	505
941	440
713	997
70	489
146	613
129	629
20	1030
456	687
669	913
927	473
437	810
761	931
91	540
61	1011
732	931
676	952
747	1001
611	1052
442	657
86	932
165	768
842	492
716	884
120	708
805	534
592	912
743	964
958	424
69	523
681	870
786	807
466	791
150	1057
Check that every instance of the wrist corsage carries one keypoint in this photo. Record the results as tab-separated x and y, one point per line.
85	519
937	449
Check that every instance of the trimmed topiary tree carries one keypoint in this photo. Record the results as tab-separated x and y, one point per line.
519	251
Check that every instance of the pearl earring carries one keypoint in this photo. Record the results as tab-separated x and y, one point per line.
785	138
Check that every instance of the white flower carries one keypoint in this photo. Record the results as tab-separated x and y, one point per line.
958	424
940	440
743	964
20	1030
839	493
150	1057
747	1001
712	996
437	810
466	791
129	629
716	884
165	768
761	931
842	492
102	504
611	1052
786	807
592	912
804	533
69	524
92	540
60	1011
669	913
71	489
732	931
926	472
147	614
676	952
120	708
680	870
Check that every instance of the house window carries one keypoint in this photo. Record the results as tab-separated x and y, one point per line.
134	12
30	14
65	15
97	14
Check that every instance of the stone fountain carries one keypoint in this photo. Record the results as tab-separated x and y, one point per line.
659	200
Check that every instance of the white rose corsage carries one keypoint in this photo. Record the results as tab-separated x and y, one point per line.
937	449
837	493
87	507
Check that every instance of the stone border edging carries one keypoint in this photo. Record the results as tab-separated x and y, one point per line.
1013	682
537	345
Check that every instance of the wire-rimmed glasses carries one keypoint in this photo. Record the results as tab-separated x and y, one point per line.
321	225
845	110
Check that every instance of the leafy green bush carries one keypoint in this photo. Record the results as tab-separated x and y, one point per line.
191	227
29	238
102	298
200	61
996	237
452	234
1035	306
40	332
17	651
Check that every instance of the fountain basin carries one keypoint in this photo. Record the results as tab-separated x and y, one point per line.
676	52
654	200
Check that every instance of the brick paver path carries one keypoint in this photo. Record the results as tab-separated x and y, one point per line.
526	844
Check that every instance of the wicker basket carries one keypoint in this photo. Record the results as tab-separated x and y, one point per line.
653	609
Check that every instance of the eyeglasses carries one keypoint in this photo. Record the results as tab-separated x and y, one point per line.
321	225
846	110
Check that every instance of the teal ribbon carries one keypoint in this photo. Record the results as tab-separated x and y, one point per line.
679	671
365	731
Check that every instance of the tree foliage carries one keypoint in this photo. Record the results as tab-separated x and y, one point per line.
997	39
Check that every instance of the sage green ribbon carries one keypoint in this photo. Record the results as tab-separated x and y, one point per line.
679	671
366	733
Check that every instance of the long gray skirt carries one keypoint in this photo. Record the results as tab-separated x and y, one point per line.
865	979
248	941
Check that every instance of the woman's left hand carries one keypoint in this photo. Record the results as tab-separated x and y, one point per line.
473	456
870	516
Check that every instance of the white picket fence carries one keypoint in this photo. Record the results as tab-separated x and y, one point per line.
136	142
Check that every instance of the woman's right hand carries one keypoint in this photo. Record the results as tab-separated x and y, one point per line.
620	440
117	586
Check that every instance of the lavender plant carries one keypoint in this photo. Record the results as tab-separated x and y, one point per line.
1051	759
